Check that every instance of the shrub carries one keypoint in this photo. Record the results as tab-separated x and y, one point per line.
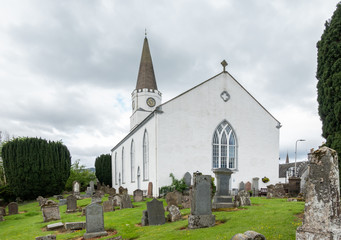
103	169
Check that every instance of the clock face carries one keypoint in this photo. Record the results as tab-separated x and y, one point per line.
151	102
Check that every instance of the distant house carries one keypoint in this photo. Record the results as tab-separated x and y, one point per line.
216	124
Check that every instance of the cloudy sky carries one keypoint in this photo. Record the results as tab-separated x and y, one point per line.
67	68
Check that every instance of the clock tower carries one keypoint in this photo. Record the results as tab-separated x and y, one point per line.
146	97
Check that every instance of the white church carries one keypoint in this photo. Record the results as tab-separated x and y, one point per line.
216	124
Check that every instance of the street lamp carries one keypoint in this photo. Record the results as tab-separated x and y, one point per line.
299	140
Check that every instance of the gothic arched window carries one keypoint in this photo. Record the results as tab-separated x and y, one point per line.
132	161
145	156
123	179
116	168
224	147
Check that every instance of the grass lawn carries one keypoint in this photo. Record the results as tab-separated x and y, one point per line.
274	218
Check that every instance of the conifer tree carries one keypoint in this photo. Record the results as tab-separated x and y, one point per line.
103	169
329	81
36	167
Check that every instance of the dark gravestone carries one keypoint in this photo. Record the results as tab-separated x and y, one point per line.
156	212
247	186
188	179
71	202
201	204
241	186
138	195
108	206
125	201
50	211
222	197
13	208
144	220
94	221
294	186
150	190
2	211
255	186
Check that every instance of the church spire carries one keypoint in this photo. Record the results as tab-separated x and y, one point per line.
287	159
146	77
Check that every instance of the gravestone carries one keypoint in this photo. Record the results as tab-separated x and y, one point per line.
275	191
117	200
92	186
58	197
241	186
47	237
186	201
144	220
174	214
150	190
122	190
62	202
94	221
2	211
201	204
247	186
74	225
71	203
50	211
13	208
125	201
156	212
255	186
88	192
322	211
1	218
112	191
75	188
108	206
41	200
242	199
294	186
97	197
188	179
138	195
54	226
222	197
174	198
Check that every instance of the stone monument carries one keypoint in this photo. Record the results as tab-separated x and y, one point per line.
50	211
76	188
71	203
156	212
13	208
247	186
255	186
294	186
322	211
201	204
188	179
138	195
94	221
150	190
222	197
241	186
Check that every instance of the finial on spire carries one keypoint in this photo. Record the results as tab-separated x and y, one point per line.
224	63
145	32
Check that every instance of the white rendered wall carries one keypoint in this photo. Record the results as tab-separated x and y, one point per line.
188	122
138	140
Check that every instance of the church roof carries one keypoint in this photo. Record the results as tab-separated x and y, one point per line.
146	77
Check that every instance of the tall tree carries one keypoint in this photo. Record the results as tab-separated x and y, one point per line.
35	166
329	81
80	174
103	169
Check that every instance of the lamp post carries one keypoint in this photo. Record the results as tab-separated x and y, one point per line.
299	140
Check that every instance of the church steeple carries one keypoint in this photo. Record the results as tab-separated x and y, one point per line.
146	76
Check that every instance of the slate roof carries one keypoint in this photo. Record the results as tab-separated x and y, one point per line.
146	76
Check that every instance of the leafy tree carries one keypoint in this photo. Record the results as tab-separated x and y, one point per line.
80	174
329	81
103	169
35	166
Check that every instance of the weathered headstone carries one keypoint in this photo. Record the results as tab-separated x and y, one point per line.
222	197
125	201
144	220
122	190
174	198
1	218
71	202
13	208
248	235
186	201
97	197
138	195
156	212
247	186
92	186
294	186
255	186
50	211
150	190
108	206
47	237
275	191
322	211
94	221
62	202
242	199
2	211
201	204
188	179
117	200
74	225
54	226
241	186
111	191
88	192
76	188
174	213
41	200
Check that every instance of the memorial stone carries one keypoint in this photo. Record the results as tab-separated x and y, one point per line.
108	206
247	186
125	201
150	190
1	218
75	188
241	186
112	191
122	190
13	208
174	213
242	199
94	221
117	200
186	201
47	237
138	195
255	186
2	211
92	186
156	212
41	200
88	192
322	211
188	179
74	225
222	197
62	202
294	186
174	198
55	226
50	211
71	202
144	220
201	204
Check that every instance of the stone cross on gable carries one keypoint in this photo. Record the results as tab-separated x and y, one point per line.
224	63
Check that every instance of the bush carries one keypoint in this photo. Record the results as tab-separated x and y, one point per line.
7	194
35	166
103	169
178	185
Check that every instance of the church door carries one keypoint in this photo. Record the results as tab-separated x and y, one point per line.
138	177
